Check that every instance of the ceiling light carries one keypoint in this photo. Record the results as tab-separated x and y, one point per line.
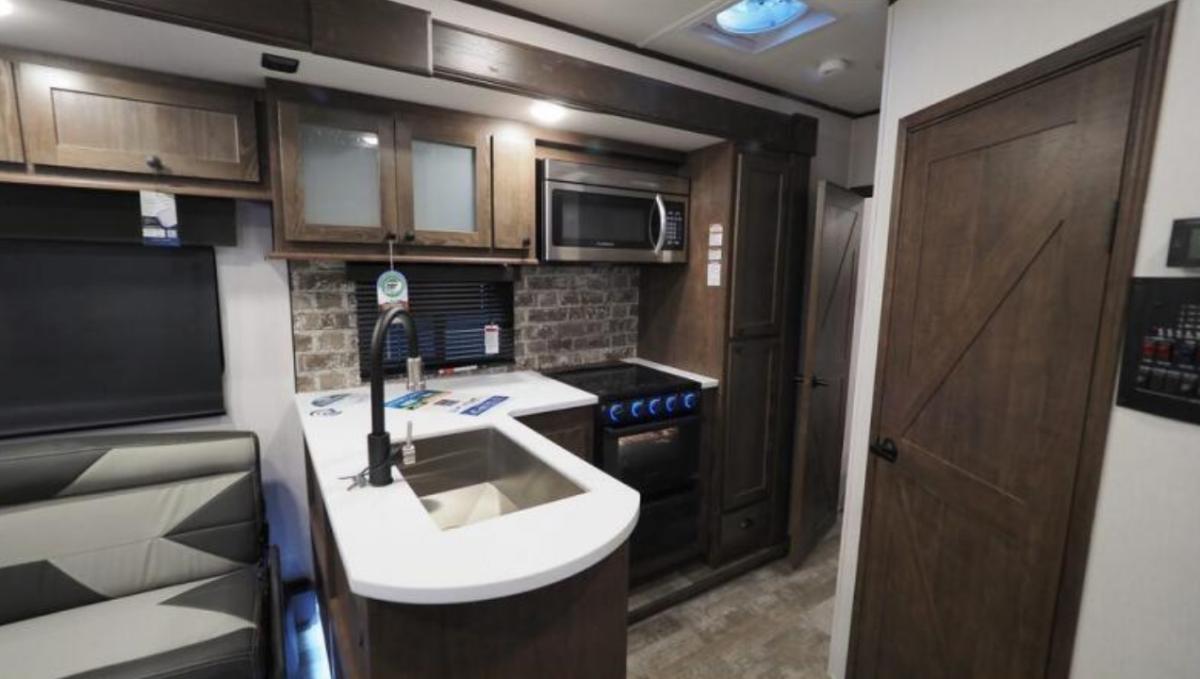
748	17
542	111
6	8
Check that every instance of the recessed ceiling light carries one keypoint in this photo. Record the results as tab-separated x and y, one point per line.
6	8
759	16
543	111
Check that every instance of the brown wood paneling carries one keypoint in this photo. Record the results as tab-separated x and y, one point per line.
751	389
446	127
573	429
760	247
681	320
970	559
460	54
514	188
11	150
89	116
290	190
275	22
376	32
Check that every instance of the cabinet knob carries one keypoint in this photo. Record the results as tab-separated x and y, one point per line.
746	522
154	163
409	236
525	242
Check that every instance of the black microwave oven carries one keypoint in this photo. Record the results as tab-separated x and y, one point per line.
592	213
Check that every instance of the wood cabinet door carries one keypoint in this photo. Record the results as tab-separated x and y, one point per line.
751	441
10	125
280	22
1001	240
104	118
337	174
445	180
573	429
759	246
514	189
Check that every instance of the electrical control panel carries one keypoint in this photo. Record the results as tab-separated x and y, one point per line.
1160	367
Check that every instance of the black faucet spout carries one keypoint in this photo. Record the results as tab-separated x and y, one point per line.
379	442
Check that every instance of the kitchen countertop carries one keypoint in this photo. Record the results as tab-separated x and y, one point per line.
391	548
705	381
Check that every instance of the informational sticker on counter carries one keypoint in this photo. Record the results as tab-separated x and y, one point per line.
714	274
476	407
414	399
160	219
716	235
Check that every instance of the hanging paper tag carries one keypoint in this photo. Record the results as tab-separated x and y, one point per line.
491	339
391	289
160	221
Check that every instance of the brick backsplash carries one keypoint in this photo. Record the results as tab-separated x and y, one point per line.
564	314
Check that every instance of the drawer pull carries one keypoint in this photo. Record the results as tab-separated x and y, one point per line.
746	522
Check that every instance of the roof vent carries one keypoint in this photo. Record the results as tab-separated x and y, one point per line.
756	26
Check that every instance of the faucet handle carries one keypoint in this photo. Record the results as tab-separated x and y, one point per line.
408	451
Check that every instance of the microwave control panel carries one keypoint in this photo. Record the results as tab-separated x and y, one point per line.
1160	367
676	226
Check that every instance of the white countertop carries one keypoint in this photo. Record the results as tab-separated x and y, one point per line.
705	381
390	547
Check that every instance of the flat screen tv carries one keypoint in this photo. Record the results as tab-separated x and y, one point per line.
95	335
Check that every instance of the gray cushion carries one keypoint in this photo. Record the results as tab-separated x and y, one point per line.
89	519
207	628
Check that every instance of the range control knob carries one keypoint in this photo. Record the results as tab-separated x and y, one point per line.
615	412
637	409
690	400
655	406
672	403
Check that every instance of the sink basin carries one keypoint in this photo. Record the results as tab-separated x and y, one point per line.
474	476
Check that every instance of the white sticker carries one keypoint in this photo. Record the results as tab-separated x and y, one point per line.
391	289
716	235
160	220
491	339
714	254
714	274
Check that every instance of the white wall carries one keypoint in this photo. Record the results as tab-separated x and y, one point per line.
1141	603
864	142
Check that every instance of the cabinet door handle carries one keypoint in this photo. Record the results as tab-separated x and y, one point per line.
409	236
746	522
154	163
524	242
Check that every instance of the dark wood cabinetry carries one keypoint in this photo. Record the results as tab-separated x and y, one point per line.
93	117
573	429
744	332
450	170
278	22
514	188
10	125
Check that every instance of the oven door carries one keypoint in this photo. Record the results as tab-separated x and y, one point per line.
581	223
653	458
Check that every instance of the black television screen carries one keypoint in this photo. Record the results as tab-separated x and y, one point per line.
103	334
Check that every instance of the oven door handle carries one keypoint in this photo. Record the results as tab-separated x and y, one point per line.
662	224
637	428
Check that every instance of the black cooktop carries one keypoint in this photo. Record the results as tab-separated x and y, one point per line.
617	380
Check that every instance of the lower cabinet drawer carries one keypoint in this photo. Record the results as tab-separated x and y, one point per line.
743	531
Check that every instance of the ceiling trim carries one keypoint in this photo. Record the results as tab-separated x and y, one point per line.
526	15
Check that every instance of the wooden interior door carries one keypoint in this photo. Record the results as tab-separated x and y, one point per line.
1000	253
824	367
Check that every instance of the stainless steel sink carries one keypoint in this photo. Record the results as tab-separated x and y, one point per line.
479	475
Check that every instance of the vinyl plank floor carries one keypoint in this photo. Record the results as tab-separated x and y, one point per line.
771	623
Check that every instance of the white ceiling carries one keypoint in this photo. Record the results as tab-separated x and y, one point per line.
68	29
665	26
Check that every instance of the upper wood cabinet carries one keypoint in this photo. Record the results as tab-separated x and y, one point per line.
280	22
447	161
338	178
759	246
10	125
94	117
514	188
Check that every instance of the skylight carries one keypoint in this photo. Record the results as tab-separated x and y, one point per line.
748	17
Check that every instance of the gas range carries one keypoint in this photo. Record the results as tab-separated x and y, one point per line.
631	394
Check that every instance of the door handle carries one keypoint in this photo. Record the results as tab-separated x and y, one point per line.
818	382
885	449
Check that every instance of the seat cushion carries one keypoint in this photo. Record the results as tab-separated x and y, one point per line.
207	628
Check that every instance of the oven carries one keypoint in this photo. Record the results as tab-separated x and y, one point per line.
603	214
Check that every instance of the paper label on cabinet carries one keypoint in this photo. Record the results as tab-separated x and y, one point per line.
714	274
714	254
391	289
716	235
491	339
160	220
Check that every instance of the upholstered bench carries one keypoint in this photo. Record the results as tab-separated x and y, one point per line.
136	556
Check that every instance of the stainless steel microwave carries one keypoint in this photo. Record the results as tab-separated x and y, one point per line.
592	213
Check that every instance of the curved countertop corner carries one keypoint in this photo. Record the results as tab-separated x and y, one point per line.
391	548
705	381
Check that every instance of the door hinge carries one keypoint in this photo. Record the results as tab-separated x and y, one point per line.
1112	226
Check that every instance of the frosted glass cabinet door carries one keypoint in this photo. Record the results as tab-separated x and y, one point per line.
338	174
450	164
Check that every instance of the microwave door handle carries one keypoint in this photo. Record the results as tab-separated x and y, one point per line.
662	223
